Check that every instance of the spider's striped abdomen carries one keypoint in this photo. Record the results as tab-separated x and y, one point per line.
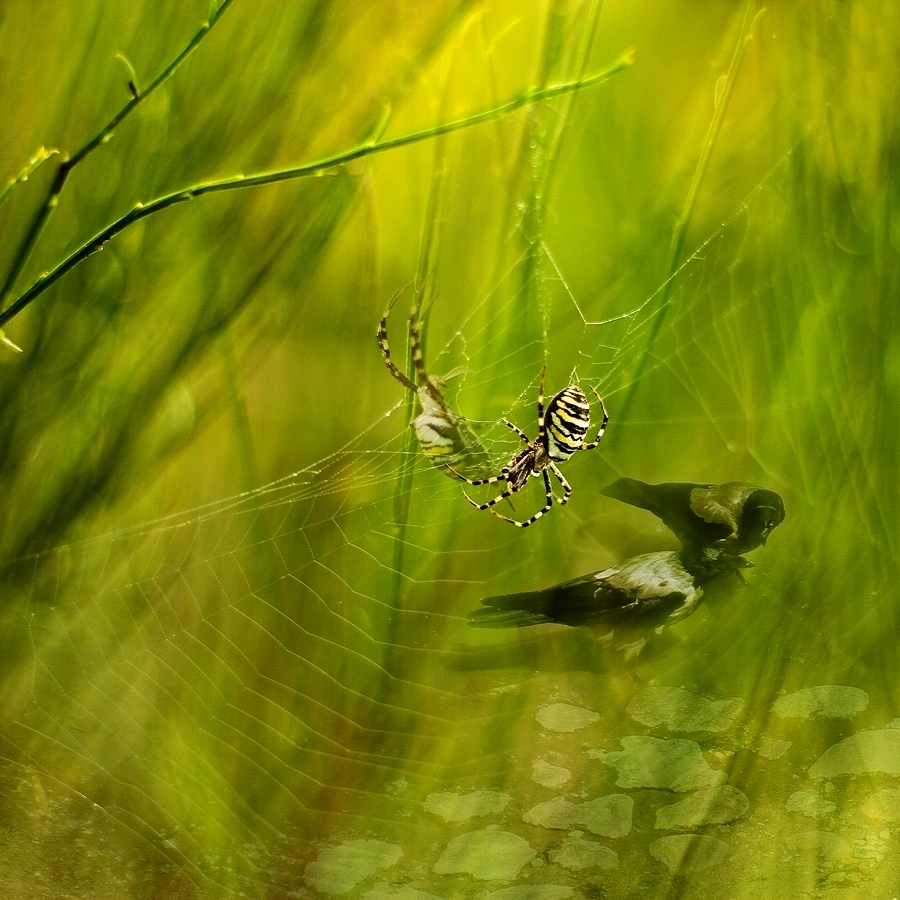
566	422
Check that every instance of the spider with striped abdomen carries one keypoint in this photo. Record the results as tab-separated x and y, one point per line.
561	431
444	437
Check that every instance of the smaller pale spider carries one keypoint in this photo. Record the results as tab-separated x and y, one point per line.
561	431
444	437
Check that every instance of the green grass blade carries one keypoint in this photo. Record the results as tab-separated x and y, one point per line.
678	235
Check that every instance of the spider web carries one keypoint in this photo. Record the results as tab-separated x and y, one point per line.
239	679
277	692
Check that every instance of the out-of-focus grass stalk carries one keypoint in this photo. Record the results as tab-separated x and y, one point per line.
550	144
748	27
69	162
551	156
237	402
428	248
431	232
534	166
318	167
539	180
403	483
539	152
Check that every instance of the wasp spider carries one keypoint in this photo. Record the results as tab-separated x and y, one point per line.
444	437
561	431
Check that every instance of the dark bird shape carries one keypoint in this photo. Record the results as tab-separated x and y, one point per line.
647	591
736	516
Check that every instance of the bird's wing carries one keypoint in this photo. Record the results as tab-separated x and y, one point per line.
660	588
722	504
649	576
646	590
672	503
497	617
647	587
581	601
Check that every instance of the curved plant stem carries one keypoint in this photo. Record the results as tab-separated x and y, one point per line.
69	162
318	167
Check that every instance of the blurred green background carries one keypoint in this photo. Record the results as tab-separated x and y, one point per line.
234	658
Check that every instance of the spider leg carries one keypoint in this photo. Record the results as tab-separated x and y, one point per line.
415	344
476	482
540	438
561	479
517	430
603	424
505	495
524	524
428	383
541	512
382	338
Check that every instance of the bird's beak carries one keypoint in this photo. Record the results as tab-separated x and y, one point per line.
743	564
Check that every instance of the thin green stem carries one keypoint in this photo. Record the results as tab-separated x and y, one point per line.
68	163
237	402
676	245
431	234
141	211
550	142
712	135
